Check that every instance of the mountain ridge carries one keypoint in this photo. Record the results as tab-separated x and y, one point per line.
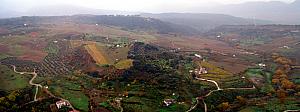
202	21
279	12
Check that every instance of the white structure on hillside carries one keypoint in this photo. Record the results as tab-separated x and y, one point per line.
262	65
61	103
198	56
201	70
168	102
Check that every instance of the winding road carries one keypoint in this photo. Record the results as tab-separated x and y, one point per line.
31	80
217	85
39	85
218	89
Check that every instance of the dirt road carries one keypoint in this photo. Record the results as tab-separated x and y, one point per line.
40	86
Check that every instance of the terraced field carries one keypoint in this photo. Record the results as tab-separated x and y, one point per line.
224	78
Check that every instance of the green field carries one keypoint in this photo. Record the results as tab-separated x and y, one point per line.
52	48
12	81
124	64
3	56
255	73
70	90
77	99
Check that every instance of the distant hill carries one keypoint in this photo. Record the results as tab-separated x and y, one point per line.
125	22
137	23
60	10
279	12
202	21
258	31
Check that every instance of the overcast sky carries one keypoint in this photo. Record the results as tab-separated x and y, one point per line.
124	5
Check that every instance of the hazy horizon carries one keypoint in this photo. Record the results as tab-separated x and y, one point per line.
152	6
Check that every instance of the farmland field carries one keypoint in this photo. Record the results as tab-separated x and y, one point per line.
124	64
131	63
97	54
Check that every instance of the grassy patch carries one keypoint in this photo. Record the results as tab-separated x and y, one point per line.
114	53
213	69
255	73
52	48
124	64
70	90
72	86
12	81
77	99
3	56
174	108
297	81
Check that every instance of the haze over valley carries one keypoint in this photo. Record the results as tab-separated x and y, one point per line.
149	56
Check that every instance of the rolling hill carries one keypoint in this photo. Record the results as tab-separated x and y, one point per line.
136	23
202	21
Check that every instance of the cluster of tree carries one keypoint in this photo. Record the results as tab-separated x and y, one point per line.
280	78
22	65
157	69
77	58
15	99
231	99
153	60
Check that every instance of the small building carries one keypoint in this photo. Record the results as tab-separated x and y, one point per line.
168	102
198	56
286	47
262	65
202	70
62	103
